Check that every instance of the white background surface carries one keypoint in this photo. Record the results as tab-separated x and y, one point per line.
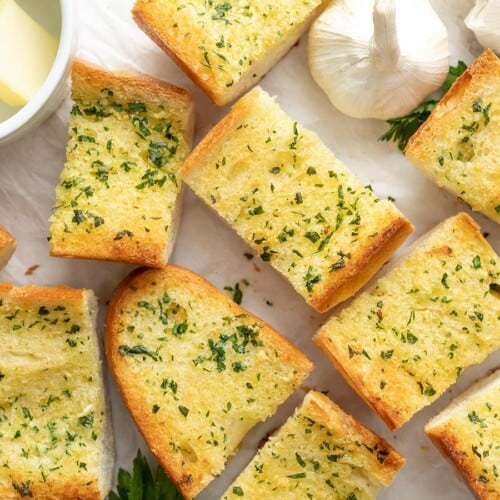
29	171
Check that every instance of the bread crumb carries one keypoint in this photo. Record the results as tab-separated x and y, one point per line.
31	270
265	438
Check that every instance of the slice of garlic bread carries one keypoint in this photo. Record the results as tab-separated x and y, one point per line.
459	144
320	452
119	194
7	246
228	46
287	195
468	433
196	371
56	439
402	343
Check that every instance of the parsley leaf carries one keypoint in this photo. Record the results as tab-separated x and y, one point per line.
453	74
403	127
143	485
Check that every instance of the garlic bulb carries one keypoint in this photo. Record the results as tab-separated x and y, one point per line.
484	21
380	65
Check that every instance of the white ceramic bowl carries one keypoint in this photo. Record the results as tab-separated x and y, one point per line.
59	17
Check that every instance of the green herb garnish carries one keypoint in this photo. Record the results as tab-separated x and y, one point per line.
23	489
143	485
125	350
236	291
184	410
403	127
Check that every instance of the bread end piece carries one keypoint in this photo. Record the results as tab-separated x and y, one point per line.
458	145
195	370
214	49
119	197
467	433
7	246
319	452
64	399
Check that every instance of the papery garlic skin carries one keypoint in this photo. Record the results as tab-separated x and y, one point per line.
484	21
384	72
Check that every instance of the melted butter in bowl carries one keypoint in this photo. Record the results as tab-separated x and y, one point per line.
36	45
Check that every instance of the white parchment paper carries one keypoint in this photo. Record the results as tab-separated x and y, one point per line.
29	171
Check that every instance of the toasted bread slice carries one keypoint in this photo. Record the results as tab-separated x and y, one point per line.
402	343
56	439
288	196
459	144
7	246
196	371
468	433
119	194
226	47
320	452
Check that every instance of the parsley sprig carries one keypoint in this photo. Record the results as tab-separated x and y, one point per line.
403	127
142	485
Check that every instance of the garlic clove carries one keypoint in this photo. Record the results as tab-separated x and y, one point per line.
484	21
380	65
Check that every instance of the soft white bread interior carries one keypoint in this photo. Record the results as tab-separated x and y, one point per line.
320	452
56	439
7	246
226	47
468	433
196	371
298	206
119	196
459	144
404	341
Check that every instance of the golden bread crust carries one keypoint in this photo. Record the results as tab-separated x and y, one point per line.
149	20
71	489
30	295
165	429
7	246
467	431
92	78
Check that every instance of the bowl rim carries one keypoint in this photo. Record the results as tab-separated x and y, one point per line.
57	71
